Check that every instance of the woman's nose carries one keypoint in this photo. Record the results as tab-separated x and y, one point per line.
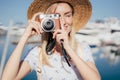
62	19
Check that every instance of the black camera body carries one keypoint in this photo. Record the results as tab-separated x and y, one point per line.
49	22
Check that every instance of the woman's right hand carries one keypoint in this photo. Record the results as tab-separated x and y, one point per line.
33	27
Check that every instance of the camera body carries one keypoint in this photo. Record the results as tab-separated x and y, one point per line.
49	22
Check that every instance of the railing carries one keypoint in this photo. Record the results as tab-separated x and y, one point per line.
2	63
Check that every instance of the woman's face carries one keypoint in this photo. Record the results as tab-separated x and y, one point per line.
66	19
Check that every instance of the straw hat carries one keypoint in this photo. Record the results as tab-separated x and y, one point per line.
82	9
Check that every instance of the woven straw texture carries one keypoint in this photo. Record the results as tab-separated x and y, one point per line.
82	8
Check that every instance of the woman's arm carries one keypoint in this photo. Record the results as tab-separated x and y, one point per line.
87	70
24	69
12	66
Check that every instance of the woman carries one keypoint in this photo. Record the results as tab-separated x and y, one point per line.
51	64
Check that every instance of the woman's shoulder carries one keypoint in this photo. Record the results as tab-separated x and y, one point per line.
32	57
84	51
34	50
83	45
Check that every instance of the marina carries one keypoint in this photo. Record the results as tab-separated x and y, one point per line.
102	36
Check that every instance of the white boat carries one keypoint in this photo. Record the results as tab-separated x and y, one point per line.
100	32
16	31
111	53
16	34
2	29
91	40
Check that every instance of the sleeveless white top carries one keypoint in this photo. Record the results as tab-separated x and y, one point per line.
60	69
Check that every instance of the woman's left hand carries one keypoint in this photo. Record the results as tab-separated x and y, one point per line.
61	36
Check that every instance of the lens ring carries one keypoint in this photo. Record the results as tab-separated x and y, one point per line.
48	24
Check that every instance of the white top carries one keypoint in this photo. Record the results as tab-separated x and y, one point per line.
61	70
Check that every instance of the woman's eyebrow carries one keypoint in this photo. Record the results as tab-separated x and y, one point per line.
69	12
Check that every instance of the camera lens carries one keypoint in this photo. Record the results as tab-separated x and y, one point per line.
48	24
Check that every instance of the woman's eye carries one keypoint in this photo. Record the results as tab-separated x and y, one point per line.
68	15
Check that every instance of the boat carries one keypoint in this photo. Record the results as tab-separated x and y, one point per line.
16	31
100	32
3	29
111	53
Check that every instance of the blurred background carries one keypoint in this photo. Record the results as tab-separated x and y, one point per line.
102	33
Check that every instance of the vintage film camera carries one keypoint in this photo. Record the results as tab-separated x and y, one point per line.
49	21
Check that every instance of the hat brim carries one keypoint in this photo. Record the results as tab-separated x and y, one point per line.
82	9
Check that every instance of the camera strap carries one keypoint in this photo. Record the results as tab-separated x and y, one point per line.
50	46
66	56
51	43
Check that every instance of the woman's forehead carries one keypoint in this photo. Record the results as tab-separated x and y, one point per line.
62	7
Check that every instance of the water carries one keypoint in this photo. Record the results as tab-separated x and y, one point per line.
107	60
109	68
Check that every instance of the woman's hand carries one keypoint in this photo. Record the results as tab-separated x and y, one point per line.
33	27
13	65
61	35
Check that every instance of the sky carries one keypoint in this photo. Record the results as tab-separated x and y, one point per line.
16	10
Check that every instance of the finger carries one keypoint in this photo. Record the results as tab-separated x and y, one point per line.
35	27
59	38
33	33
41	31
61	23
39	26
35	15
56	32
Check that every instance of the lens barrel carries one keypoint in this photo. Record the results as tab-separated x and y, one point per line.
49	21
48	25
